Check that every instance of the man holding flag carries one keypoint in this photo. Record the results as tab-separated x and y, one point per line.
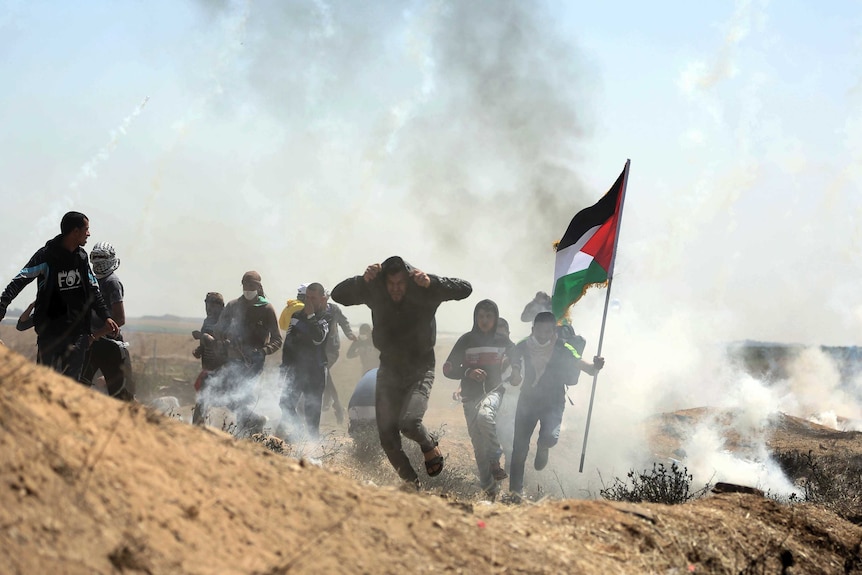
549	365
585	258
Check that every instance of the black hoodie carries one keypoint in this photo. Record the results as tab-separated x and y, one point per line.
405	332
66	291
476	349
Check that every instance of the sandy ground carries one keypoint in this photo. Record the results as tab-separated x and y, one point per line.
91	485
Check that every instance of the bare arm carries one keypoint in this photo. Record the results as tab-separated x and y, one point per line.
118	313
592	368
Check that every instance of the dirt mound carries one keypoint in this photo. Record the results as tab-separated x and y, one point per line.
91	485
668	431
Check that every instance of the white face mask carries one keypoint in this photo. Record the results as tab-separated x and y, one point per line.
249	295
536	341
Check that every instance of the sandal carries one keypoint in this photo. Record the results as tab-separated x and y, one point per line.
434	466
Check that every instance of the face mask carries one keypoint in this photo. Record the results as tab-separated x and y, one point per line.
536	341
249	295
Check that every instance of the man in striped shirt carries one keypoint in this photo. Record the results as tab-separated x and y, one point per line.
479	359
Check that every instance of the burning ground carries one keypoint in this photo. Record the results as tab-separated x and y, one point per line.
90	485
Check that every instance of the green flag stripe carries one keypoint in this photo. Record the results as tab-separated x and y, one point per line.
571	287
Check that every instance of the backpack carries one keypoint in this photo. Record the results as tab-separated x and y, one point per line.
568	335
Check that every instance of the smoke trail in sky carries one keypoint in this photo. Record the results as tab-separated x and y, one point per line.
49	217
218	71
88	170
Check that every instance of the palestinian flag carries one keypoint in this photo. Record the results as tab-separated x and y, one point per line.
585	254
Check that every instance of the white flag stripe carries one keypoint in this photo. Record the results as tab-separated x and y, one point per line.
571	260
578	245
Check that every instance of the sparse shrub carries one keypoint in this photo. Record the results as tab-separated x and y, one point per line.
271	442
828	481
325	448
661	485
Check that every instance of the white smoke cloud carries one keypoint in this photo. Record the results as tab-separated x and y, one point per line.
688	270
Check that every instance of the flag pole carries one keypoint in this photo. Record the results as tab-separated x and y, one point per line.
605	312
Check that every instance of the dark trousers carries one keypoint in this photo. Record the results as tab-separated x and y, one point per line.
64	354
111	359
330	394
548	413
401	399
306	381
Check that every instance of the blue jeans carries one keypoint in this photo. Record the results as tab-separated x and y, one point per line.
481	416
548	413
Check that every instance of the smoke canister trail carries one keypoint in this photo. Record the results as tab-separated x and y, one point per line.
88	170
50	218
226	61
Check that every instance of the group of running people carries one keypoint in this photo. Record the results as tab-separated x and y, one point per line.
237	336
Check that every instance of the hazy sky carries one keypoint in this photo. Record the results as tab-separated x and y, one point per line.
309	139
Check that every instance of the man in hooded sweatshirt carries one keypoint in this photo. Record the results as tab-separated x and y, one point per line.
403	302
248	327
67	291
548	365
478	359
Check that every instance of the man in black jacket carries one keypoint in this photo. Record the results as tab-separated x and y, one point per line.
403	302
303	364
67	292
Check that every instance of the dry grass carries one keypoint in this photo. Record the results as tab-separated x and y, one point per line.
832	482
96	486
